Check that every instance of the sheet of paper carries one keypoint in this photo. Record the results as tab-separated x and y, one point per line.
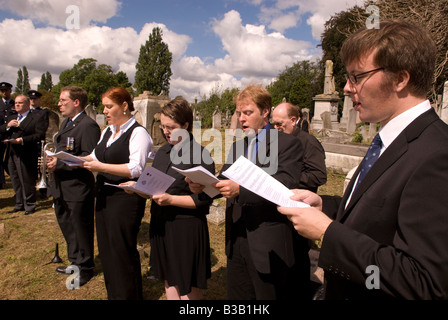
202	176
151	182
67	158
255	179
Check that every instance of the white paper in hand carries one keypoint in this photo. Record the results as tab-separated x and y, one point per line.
67	158
202	176
255	179
151	182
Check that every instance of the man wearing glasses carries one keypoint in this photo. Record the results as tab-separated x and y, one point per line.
73	187
386	237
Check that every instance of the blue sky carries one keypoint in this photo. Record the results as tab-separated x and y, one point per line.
215	44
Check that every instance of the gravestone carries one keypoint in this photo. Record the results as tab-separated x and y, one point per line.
348	105
53	126
217	119
158	138
147	105
351	124
326	119
328	101
101	120
91	111
235	122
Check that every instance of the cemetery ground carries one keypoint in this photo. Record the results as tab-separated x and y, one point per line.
27	246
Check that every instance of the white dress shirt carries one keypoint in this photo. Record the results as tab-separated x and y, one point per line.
140	144
394	127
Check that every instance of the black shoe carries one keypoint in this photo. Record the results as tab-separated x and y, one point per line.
15	210
29	212
85	276
81	279
62	270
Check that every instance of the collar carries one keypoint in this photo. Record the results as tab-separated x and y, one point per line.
73	119
394	127
125	126
25	114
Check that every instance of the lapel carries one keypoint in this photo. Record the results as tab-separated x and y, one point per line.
25	122
65	129
393	153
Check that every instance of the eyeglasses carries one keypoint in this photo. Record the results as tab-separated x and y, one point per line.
354	78
167	128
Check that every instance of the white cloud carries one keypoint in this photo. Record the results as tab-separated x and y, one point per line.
54	12
286	14
252	53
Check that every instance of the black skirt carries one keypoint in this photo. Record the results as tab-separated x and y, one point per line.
180	249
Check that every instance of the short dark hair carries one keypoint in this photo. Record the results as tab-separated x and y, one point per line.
179	110
400	46
77	93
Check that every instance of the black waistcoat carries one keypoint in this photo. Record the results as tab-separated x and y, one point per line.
117	153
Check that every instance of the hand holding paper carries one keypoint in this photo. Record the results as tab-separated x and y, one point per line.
67	158
201	176
151	182
255	179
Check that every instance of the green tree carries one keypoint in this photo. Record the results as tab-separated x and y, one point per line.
298	84
94	79
23	81
154	65
223	99
430	14
46	82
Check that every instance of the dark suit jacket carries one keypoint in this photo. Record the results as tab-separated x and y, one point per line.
270	235
31	130
6	110
75	183
314	171
396	220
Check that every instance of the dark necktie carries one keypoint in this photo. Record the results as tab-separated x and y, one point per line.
68	122
371	156
20	116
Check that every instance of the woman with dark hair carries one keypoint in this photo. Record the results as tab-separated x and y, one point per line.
179	236
120	155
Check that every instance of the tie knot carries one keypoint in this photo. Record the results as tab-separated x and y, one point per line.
377	140
20	116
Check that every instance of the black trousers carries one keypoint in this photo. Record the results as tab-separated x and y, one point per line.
23	183
76	220
118	218
244	282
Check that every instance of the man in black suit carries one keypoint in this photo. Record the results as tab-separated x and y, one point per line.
6	109
35	97
314	170
73	187
386	238
266	258
22	131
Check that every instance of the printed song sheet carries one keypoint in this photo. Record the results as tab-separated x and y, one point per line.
67	158
255	179
202	176
151	182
